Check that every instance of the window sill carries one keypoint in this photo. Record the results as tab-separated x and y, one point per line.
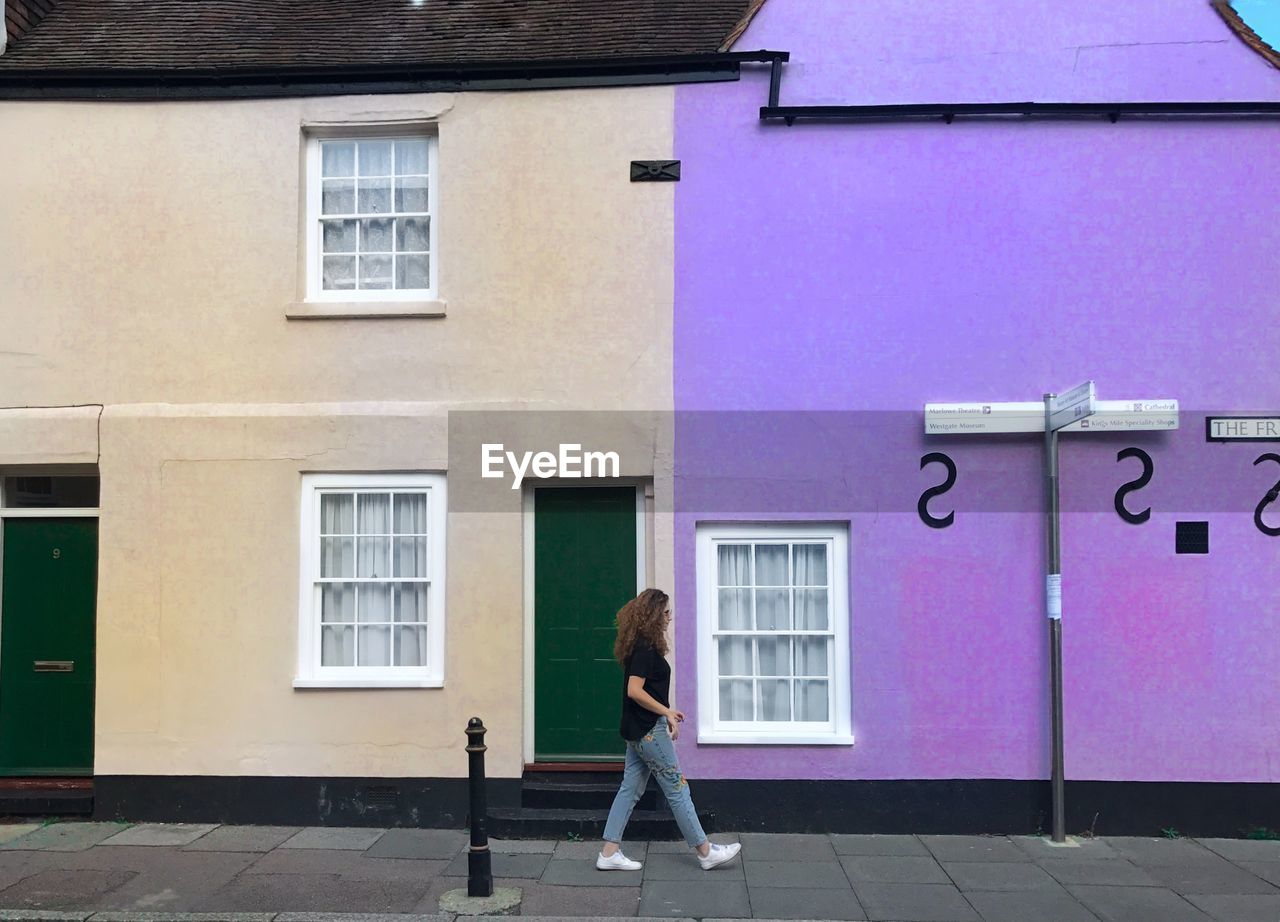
368	683
764	739
352	310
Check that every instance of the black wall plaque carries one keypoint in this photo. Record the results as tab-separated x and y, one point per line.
655	170
1191	538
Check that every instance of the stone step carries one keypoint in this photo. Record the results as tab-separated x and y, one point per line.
46	802
534	776
534	823
577	795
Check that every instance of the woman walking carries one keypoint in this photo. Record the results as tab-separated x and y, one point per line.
650	726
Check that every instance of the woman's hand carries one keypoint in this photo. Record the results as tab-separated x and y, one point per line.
674	718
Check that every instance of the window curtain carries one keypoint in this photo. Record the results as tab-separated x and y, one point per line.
374	537
735	614
763	588
812	614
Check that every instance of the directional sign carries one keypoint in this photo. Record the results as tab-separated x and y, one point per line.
1129	416
1028	416
1073	405
983	418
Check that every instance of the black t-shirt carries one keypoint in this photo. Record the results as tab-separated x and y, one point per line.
647	662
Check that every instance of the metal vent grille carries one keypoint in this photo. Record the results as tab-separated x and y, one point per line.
382	797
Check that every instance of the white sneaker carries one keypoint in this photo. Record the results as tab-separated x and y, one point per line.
718	855
616	862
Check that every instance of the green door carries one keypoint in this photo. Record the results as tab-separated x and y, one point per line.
46	646
584	571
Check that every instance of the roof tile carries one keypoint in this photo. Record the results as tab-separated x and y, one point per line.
187	35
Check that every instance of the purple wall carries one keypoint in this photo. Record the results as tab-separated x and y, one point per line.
873	268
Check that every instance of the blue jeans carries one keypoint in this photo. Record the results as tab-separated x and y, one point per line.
654	754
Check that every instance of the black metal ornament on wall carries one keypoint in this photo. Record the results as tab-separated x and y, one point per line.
1272	496
1191	537
1148	467
655	170
922	507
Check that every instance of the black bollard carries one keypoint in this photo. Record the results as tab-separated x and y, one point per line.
479	862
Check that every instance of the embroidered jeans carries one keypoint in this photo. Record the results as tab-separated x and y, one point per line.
654	754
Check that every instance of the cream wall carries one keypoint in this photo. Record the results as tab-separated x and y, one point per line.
150	250
149	253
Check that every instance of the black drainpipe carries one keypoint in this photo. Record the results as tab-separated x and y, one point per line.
948	112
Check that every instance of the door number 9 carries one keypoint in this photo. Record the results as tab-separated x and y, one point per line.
57	552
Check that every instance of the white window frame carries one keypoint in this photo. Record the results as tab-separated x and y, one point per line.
315	290
310	672
837	731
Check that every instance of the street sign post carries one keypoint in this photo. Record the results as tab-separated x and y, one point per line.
1075	410
1074	405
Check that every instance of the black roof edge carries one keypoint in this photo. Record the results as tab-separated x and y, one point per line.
259	82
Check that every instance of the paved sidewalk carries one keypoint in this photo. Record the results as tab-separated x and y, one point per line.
100	870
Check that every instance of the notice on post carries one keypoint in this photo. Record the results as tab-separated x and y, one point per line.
1053	595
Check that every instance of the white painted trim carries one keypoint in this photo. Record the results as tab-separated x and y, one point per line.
309	673
642	577
85	411
528	535
406	408
56	512
838	731
311	222
368	683
417	408
717	737
377	300
348	310
381	123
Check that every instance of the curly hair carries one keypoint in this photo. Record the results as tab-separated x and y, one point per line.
643	617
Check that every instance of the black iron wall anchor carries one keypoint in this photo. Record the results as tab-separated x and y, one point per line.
655	170
479	860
